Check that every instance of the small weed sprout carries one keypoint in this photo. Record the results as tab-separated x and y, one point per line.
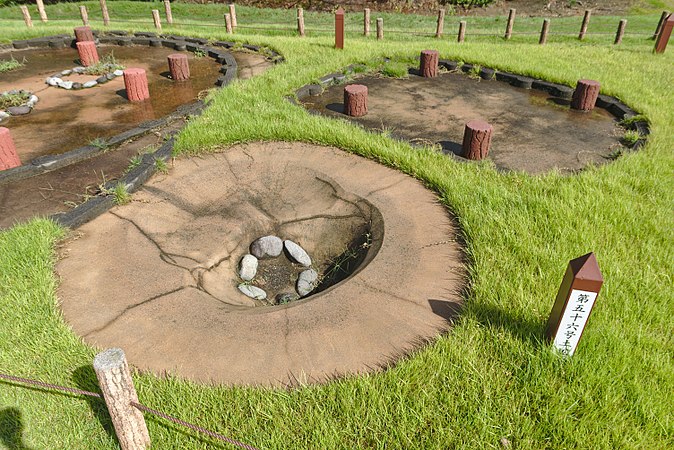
10	64
630	138
121	194
107	64
99	143
8	100
134	162
161	165
199	53
474	71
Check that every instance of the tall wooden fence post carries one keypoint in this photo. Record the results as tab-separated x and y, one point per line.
339	28
380	28
26	16
583	26
544	32
440	28
663	17
228	23
665	33
576	297
232	13
104	10
40	9
621	32
462	31
156	18
85	15
300	21
509	25
366	22
114	379
169	14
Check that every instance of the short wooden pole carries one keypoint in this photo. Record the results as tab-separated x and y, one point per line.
167	10
440	28
232	13
135	82
87	52
380	28
576	297
585	95
462	31
583	26
26	16
114	379
509	25
179	66
339	28
366	22
156	18
228	23
663	17
544	32
355	100
428	65
85	15
300	21
41	11
83	34
665	34
621	32
9	158
477	139
104	11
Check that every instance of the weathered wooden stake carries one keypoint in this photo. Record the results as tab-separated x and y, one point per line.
665	33
366	22
380	28
428	65
83	34
509	25
135	82
441	23
9	158
339	28
169	14
228	23
87	52
104	10
663	17
156	18
355	100
585	95
232	13
114	379
179	66
462	31
40	9
300	21
544	32
583	26
576	297
621	32
85	15
476	139
26	16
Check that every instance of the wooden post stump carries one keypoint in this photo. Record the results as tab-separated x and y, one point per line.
26	16
41	11
114	379
658	28
509	25
228	24
8	156
477	139
179	67
88	53
169	14
585	95
355	100
156	19
104	11
339	28
84	34
621	32
429	63
544	32
366	22
380	28
462	31
440	27
232	14
300	21
583	26
665	34
85	15
135	82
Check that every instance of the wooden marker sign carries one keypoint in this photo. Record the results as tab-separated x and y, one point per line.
339	28
575	299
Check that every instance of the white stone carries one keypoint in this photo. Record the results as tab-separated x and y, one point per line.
33	99
3	115
307	282
252	291
54	81
248	267
66	72
118	73
297	253
79	69
271	246
89	84
66	85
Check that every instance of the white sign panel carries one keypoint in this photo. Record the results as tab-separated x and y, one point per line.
573	320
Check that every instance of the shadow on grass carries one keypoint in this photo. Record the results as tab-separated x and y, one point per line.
85	378
521	326
11	429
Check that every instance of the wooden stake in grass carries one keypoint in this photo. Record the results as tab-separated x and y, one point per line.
339	28
228	23
462	31
663	17
665	34
40	9
380	28
232	13
441	23
85	15
544	32
104	10
583	26
366	22
156	18
169	14
300	21
509	25
576	297
26	16
621	32
114	379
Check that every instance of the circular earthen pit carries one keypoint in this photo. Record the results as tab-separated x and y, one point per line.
158	277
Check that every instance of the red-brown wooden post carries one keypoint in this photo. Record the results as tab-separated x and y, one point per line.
583	26
621	32
9	158
228	24
380	28
665	34
26	16
104	11
167	10
156	19
509	25
428	65
477	139
88	53
355	100
114	379
83	34
232	13
440	28
462	31
300	21
339	28
135	82
41	11
366	22
544	32
663	17
576	297
179	66
85	15
585	95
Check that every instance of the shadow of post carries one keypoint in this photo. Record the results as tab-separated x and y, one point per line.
85	378
11	429
523	327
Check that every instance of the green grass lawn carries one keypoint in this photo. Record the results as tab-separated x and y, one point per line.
492	375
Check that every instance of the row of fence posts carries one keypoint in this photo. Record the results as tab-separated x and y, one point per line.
662	33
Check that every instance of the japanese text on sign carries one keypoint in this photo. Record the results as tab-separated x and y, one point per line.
573	320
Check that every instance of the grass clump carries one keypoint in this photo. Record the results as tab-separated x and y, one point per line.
9	100
395	69
161	165
630	138
99	143
105	65
9	64
121	194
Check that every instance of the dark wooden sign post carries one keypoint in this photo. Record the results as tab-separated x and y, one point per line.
339	28
575	299
665	34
